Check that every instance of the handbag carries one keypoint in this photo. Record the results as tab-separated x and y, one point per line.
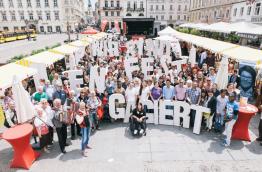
79	119
100	112
44	129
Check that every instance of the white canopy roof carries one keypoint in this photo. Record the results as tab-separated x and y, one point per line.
65	49
241	27
48	58
79	43
252	31
167	31
7	72
216	27
165	38
194	25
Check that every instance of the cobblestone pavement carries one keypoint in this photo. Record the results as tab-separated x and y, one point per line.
11	49
164	149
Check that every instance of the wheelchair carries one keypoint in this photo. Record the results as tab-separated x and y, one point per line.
132	127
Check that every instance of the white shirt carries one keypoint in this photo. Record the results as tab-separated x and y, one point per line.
203	56
221	104
131	95
49	116
40	121
144	94
137	89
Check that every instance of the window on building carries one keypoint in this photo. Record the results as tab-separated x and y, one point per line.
39	14
151	7
55	3
11	4
106	13
117	4
48	16
23	28
56	15
118	13
215	14
151	16
241	11
112	3
119	24
66	2
19	3
49	29
185	7
1	3
112	24
171	7
235	12
135	5
13	18
227	14
248	10
38	4
179	7
112	13
58	29
128	4
141	5
162	17
156	17
22	16
29	3
178	17
170	17
42	29
163	7
156	7
15	28
257	9
106	3
6	28
46	3
31	16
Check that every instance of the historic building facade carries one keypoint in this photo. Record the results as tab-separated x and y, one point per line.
42	15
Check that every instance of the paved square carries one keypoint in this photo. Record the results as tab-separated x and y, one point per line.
164	149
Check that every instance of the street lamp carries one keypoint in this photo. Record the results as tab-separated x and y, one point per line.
77	30
68	31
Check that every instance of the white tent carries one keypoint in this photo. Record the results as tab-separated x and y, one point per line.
165	38
216	27
252	31
241	27
222	74
23	105
167	31
48	58
7	72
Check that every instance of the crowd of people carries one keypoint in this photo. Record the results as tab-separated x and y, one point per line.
59	107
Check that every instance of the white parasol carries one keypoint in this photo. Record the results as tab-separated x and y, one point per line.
222	74
192	56
23	105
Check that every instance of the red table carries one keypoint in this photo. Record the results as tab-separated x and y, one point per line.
240	129
19	137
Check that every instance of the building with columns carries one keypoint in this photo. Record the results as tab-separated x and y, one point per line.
41	15
210	11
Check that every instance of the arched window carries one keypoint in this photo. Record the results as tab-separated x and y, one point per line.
128	14
141	14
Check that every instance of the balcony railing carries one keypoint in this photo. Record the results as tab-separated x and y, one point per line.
112	8
135	9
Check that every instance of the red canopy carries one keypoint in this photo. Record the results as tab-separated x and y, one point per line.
90	31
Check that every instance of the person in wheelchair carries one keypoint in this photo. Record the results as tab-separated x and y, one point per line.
138	120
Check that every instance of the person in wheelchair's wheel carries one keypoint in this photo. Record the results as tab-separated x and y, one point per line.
138	120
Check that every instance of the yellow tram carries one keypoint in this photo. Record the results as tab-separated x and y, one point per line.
17	35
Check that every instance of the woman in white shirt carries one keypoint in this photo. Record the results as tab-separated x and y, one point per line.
130	94
144	92
40	123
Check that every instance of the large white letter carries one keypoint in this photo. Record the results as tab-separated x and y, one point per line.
149	105
164	112
146	67
129	108
114	111
184	114
74	82
198	117
130	67
97	80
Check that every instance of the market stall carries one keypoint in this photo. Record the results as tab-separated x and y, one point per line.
7	72
72	54
41	62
